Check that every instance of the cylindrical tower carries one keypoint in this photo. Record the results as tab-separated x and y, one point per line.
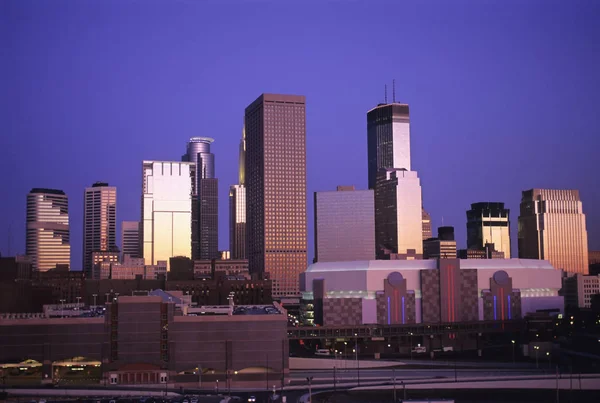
198	151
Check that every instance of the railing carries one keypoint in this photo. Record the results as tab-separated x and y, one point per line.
404	330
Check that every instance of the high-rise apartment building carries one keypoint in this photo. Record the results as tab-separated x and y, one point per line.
47	235
489	222
99	222
205	200
237	207
344	225
552	227
166	210
388	139
426	219
276	189
130	238
398	213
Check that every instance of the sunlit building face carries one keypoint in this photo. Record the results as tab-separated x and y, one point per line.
552	227
398	212
275	178
48	240
166	210
99	221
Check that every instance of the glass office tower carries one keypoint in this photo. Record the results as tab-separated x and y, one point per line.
166	224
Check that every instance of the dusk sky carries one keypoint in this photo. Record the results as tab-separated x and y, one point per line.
504	96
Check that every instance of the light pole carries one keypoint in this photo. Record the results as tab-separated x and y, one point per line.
94	295
411	345
62	308
537	349
78	301
309	380
513	350
549	360
357	362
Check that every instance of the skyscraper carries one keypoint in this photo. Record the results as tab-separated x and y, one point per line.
47	235
237	207
237	221
344	225
276	189
489	222
398	220
166	210
388	139
205	200
552	227
398	213
99	222
130	238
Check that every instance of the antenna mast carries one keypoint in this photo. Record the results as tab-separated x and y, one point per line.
385	91
394	90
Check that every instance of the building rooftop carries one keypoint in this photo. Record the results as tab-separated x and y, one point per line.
428	264
48	191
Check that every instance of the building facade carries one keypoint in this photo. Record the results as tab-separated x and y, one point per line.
276	189
142	341
398	212
130	238
429	291
388	139
237	207
166	210
442	247
204	198
344	225
99	222
489	222
426	218
47	235
552	227
237	221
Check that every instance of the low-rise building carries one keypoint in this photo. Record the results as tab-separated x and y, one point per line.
146	340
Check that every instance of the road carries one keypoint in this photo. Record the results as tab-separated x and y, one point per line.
400	374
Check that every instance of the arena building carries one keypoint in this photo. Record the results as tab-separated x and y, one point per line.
389	292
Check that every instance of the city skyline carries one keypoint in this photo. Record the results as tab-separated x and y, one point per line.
442	139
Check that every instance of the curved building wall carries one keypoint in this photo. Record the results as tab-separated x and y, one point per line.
47	236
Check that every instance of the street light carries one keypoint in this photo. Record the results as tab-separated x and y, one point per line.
513	350
536	348
94	295
549	360
62	308
309	380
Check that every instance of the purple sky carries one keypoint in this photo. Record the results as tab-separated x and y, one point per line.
504	95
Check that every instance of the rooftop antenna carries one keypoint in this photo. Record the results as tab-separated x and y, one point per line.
385	89
9	237
394	90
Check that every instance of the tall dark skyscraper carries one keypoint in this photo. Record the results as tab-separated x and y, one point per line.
489	222
276	189
99	222
398	202
237	207
388	139
48	241
205	198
